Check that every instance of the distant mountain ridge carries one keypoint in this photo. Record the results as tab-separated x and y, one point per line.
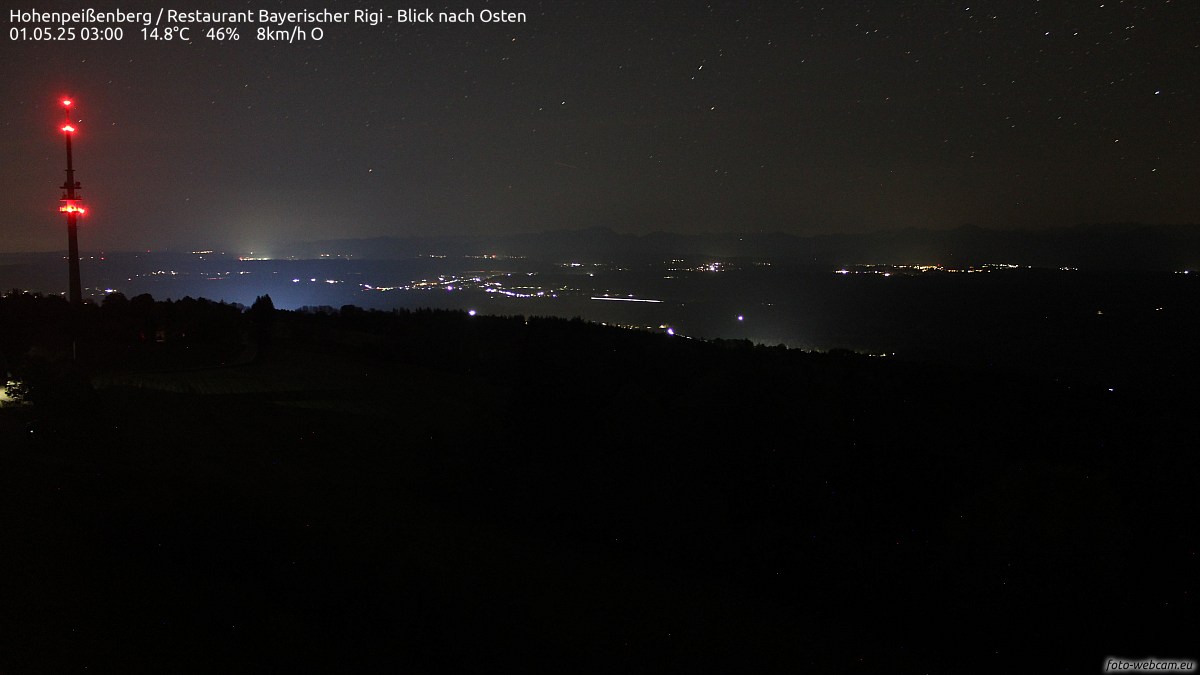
1121	246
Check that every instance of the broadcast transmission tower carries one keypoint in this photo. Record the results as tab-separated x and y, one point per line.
72	205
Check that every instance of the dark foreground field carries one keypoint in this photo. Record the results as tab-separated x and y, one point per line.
431	492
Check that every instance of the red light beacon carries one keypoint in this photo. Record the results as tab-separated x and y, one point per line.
72	205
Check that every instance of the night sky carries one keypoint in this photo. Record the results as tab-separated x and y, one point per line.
641	116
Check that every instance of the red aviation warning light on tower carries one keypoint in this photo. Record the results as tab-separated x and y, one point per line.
72	205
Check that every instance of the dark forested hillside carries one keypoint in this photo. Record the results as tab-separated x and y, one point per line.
208	488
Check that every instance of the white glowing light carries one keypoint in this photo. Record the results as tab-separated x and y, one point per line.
625	299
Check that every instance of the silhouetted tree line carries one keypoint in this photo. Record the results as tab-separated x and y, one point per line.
45	343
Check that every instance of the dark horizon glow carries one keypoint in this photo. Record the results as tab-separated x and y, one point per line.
723	117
